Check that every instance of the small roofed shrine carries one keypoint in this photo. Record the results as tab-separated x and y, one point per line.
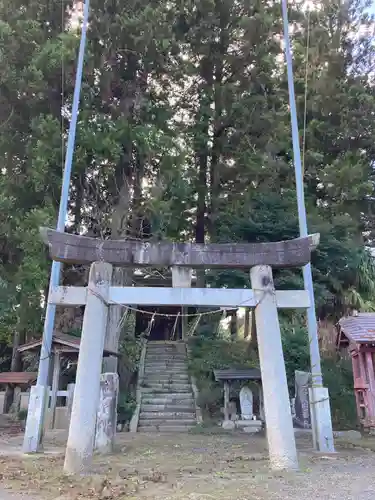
18	381
357	334
251	416
64	347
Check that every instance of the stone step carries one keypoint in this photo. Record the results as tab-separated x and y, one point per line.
165	390
163	347
171	421
158	405
165	428
165	352
165	416
169	350
168	360
171	386
166	380
166	346
161	365
166	369
169	366
164	357
185	398
165	377
173	407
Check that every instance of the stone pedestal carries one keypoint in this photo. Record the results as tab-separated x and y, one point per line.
228	425
106	421
249	426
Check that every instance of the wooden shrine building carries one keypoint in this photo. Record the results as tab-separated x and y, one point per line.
65	349
357	334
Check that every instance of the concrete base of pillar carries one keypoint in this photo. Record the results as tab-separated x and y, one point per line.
321	420
35	419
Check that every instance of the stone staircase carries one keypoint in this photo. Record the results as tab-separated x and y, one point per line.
167	402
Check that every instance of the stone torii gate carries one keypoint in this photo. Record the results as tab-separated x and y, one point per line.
99	295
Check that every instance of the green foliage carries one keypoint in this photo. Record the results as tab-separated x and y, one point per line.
22	415
126	406
207	355
338	377
296	352
130	350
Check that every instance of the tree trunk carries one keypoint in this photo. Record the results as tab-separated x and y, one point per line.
79	184
201	211
201	146
253	344
246	332
233	325
219	50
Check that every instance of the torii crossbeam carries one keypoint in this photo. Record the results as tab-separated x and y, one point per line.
75	249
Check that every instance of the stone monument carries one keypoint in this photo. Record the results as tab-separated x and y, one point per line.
302	418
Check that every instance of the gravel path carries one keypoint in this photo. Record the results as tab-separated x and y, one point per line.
344	477
6	495
192	467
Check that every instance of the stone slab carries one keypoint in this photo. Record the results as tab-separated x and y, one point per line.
321	420
35	419
352	434
248	423
252	430
106	421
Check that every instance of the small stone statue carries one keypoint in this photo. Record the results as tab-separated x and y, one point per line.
246	400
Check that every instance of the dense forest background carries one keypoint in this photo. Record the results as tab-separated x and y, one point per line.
184	134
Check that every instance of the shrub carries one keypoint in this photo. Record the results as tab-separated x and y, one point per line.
207	355
126	406
22	414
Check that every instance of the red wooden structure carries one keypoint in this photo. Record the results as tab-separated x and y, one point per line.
357	333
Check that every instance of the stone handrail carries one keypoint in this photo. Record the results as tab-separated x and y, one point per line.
133	426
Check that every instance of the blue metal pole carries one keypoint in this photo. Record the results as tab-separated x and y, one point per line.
63	209
312	326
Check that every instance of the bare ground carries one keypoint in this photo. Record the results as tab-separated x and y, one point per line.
189	467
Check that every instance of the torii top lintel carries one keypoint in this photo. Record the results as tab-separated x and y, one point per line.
74	249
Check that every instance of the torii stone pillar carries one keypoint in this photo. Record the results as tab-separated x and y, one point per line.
280	433
79	449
